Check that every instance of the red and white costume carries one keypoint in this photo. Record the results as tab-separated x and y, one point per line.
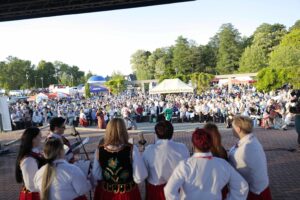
118	172
203	177
29	166
161	159
69	183
249	159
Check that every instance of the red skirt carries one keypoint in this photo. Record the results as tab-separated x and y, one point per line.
155	192
83	122
101	194
264	195
26	195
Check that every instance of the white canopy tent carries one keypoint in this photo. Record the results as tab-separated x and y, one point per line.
171	86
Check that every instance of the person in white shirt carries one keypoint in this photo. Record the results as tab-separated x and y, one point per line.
37	119
249	159
202	177
29	160
57	130
161	159
118	166
59	180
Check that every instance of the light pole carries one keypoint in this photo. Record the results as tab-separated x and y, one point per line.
35	82
42	78
27	76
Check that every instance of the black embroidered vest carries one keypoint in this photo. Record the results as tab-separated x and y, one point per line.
116	166
39	158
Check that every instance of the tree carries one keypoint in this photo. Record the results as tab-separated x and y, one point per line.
287	54
16	74
87	90
229	51
295	26
201	81
181	56
116	84
253	59
265	38
269	78
140	66
46	74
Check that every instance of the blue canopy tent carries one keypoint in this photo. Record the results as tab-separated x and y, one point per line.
97	88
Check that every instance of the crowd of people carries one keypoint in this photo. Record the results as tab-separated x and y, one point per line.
170	171
218	105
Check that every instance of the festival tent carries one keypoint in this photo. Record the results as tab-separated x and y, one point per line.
58	95
171	86
40	97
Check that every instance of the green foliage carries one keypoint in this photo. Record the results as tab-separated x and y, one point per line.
269	78
140	66
295	26
253	59
229	49
87	90
68	75
265	39
288	52
201	81
15	74
116	84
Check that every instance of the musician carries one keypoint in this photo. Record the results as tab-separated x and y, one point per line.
161	159
118	167
59	180
29	160
249	158
57	130
203	176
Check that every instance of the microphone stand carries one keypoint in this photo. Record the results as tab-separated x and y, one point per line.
76	133
80	140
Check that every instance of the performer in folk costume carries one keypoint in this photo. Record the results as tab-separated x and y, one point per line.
249	158
57	130
29	160
118	166
203	176
59	180
100	119
217	148
161	159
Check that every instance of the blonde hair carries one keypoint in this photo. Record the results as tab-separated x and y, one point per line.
244	123
116	132
52	151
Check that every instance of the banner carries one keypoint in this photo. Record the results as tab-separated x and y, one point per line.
6	123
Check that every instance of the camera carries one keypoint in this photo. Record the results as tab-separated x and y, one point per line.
295	107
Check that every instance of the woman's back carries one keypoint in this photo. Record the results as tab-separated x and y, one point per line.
203	177
69	181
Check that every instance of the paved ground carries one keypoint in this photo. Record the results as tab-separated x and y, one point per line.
283	162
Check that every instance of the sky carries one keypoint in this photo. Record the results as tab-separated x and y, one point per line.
103	42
